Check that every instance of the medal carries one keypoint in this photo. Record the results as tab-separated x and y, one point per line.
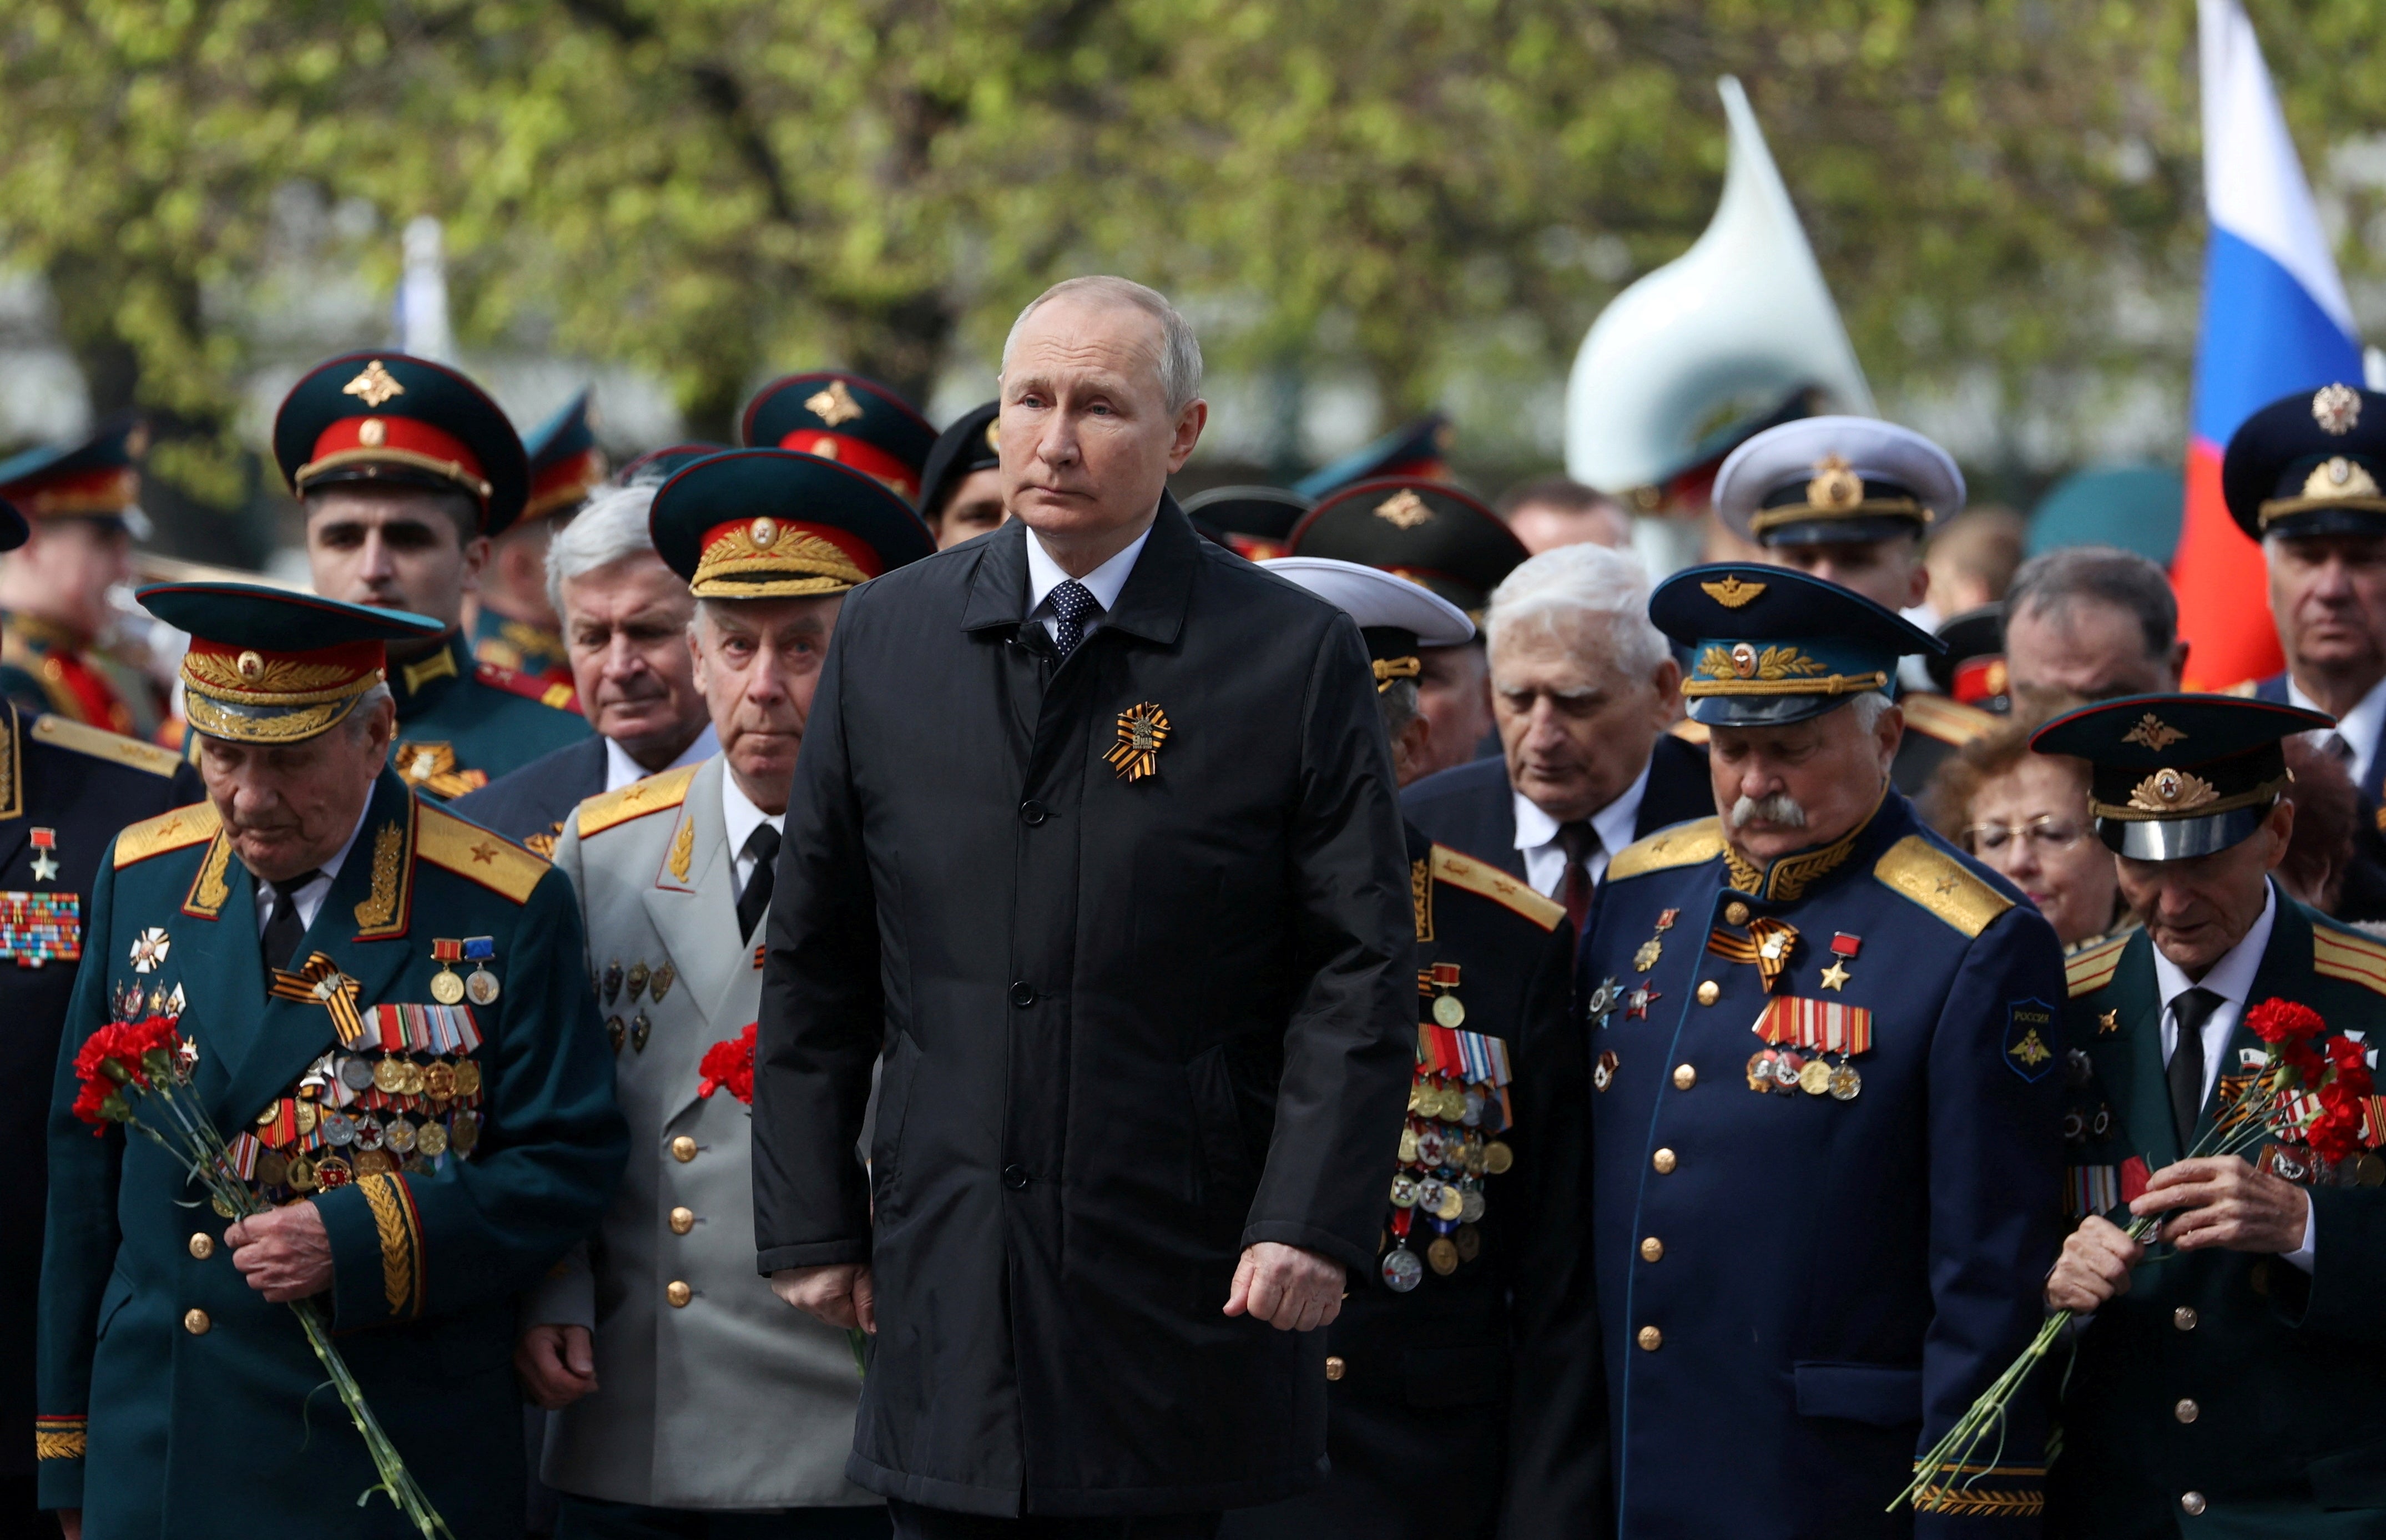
1443	1255
1814	1078
661	983
1760	1069
305	1118
1451	1205
640	1029
377	1163
331	1172
1636	1008
1498	1158
1843	950
615	1031
464	1132
1471	1206
1141	730
1603	1075
1402	1271
613	980
637	980
150	949
1786	1067
1602	1001
1847	1084
1428	1197
301	1178
468	1079
431	1140
369	1136
399	1135
339	1129
1430	1147
446	987
409	1078
439	1080
386	1076
45	844
357	1074
2370	1170
1447	1012
1469	1242
1404	1191
1407	1146
480	987
272	1170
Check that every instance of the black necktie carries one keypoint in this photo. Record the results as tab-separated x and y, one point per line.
1073	605
752	903
2191	1010
284	929
1581	843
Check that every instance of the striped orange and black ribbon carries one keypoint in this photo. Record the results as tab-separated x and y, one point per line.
321	982
1768	944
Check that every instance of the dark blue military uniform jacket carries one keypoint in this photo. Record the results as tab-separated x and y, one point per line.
462	724
191	1401
65	790
2238	1378
1800	1290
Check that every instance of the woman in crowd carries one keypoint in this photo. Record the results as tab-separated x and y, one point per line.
2027	816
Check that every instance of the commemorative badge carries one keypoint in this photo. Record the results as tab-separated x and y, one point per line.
1141	732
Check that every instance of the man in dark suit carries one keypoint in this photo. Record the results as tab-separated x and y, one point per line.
1094	833
625	618
1582	688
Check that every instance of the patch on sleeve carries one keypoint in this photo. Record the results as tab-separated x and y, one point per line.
2029	1038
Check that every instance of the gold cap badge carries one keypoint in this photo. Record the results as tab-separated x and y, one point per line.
2337	409
2336	479
374	386
1836	486
1731	593
2152	731
1403	509
2172	791
832	405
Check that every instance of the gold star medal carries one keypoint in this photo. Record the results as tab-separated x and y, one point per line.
1141	730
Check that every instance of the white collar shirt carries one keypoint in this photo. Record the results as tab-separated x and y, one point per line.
740	818
2359	727
620	769
309	896
1545	857
1103	583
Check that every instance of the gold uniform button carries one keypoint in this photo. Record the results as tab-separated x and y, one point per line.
1709	992
2187	1410
1664	1162
2191	1503
1734	913
679	1294
203	1246
1652	1250
2184	1318
1336	1367
1651	1339
1684	1077
196	1322
683	1220
683	1148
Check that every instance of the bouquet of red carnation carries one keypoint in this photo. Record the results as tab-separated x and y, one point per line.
127	1066
729	1063
2310	1092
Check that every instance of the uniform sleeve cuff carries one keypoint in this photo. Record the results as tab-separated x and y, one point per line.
815	1254
377	1252
59	1445
566	1296
1355	1258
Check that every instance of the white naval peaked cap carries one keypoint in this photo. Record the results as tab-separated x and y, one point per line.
1821	474
1375	598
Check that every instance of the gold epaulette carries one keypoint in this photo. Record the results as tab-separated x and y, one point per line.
1489	882
154	836
2092	968
653	795
1916	869
2350	956
1681	845
100	744
469	850
1690	731
1949	720
2244	689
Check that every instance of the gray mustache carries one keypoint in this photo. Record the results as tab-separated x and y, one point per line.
1780	809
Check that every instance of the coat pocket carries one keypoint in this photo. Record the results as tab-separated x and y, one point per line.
898	1068
1224	1167
1880	1394
112	1298
2355	1478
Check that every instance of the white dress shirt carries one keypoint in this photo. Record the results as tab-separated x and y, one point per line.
2358	727
310	898
741	818
620	769
2232	977
1103	583
1545	858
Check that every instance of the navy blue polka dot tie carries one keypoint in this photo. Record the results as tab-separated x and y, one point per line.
1073	605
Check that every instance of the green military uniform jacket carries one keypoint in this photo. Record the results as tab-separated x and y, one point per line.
195	1405
2226	1393
462	724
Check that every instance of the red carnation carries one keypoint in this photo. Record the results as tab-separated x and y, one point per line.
729	1063
2277	1021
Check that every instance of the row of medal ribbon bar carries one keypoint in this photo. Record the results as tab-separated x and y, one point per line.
364	1133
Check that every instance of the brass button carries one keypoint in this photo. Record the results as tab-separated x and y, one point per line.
1336	1367
1664	1162
1651	1339
2191	1503
2184	1318
679	1294
196	1322
683	1148
203	1246
1734	913
1684	1077
2187	1410
683	1220
1709	992
1652	1250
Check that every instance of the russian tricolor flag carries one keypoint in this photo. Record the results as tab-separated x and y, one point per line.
2276	320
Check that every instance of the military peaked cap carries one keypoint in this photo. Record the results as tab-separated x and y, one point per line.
772	523
2310	464
1771	645
2174	777
273	666
1822	480
385	417
847	419
1427	531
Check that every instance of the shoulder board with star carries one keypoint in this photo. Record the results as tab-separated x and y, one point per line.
196	824
1914	869
1949	720
1691	732
1681	844
546	692
100	744
2350	956
469	850
654	795
2092	967
1489	882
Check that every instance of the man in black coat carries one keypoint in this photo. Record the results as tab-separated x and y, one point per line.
1094	834
1582	689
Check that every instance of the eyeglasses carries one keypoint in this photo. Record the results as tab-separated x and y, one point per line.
2047	831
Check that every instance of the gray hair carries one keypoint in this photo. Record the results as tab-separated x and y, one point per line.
2054	580
612	526
359	721
1868	708
1397	703
1590	582
1180	351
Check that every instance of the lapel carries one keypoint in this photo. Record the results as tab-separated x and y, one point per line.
2130	1062
16	829
698	926
291	1033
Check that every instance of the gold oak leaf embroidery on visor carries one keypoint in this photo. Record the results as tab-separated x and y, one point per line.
1141	730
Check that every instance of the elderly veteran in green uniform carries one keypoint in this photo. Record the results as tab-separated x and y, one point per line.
1850	500
2234	1384
1825	1148
408	472
433	1139
1455	1408
694	1402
